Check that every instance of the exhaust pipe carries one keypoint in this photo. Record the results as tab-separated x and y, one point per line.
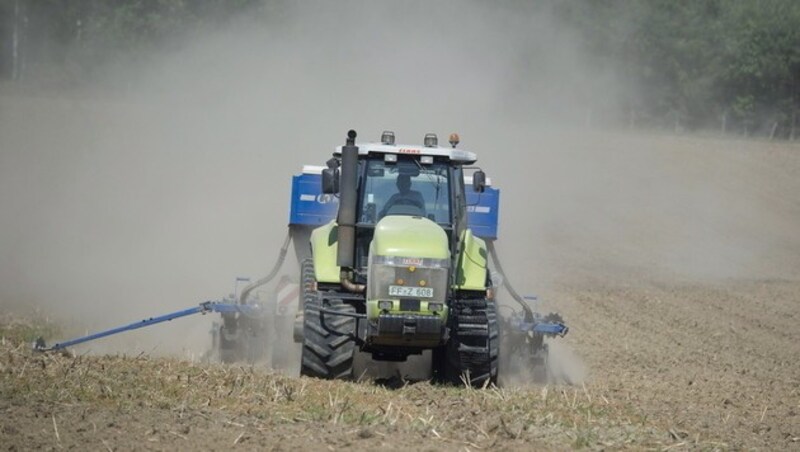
350	285
346	218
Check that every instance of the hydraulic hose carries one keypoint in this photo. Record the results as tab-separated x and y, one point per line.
507	284
281	257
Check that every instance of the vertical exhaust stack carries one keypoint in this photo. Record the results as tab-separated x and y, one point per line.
347	203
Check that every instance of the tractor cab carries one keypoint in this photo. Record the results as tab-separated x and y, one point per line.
423	182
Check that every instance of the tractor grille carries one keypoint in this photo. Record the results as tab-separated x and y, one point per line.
409	305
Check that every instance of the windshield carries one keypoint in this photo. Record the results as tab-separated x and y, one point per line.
405	188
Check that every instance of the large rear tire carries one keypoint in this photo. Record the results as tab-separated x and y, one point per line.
328	340
470	356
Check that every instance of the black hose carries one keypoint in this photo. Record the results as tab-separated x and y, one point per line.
281	257
516	296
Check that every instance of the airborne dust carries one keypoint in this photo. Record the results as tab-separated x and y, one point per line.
154	190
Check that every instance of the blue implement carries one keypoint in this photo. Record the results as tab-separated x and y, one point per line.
540	326
207	306
310	207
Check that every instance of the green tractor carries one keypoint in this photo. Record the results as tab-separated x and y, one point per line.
398	271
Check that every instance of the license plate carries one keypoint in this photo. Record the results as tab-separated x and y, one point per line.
410	291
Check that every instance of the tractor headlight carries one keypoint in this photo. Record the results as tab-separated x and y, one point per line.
435	307
385	305
387	137
431	140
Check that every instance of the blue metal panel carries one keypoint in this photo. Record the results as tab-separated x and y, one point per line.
309	205
483	211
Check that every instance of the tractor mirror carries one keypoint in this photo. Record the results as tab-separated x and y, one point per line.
479	181
330	181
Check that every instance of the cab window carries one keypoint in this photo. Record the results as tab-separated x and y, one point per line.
405	188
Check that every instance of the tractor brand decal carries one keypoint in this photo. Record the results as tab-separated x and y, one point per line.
479	209
321	198
411	261
325	198
287	294
409	151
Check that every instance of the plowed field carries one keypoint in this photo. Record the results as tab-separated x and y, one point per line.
675	261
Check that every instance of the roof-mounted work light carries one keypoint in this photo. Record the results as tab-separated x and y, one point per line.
426	159
387	137
431	140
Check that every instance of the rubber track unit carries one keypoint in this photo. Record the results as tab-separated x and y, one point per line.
328	341
470	355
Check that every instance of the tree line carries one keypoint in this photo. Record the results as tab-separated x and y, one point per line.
66	40
728	65
732	65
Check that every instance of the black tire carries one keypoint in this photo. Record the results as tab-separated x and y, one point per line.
328	340
470	356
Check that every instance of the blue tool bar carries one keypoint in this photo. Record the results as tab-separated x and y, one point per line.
246	309
132	326
541	327
204	307
551	328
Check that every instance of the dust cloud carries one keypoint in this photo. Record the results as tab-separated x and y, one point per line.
154	191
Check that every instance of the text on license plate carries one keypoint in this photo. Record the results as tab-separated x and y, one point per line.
410	291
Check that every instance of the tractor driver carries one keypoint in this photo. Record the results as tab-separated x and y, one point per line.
404	196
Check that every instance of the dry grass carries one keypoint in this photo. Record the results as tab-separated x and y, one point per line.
658	382
263	406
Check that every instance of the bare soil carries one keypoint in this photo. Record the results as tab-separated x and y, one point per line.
686	366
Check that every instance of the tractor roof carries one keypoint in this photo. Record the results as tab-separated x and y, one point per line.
452	154
316	169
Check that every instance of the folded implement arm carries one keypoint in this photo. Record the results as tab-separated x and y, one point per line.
202	308
529	321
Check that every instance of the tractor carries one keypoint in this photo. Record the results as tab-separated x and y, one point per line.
399	271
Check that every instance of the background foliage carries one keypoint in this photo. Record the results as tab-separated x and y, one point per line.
700	63
688	64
